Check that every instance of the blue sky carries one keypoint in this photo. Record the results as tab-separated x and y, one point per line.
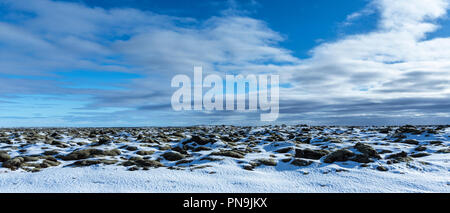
109	63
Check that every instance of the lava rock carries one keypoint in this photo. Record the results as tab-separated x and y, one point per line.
420	148
284	150
49	163
82	163
267	161
201	148
88	153
409	129
411	141
228	153
361	159
310	154
200	140
131	148
180	150
143	163
301	162
339	155
436	142
443	150
14	163
397	155
184	161
30	158
4	156
51	152
420	154
173	156
285	160
248	167
145	152
134	168
367	150
384	151
103	141
382	168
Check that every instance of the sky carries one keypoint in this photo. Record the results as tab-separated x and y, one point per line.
110	62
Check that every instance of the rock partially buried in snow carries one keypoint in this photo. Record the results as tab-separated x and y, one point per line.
51	152
145	152
4	156
88	153
443	150
367	150
420	148
382	168
172	156
411	141
200	140
49	163
409	129
180	150
339	155
248	167
131	148
104	141
201	148
229	153
310	154
284	150
14	163
301	162
82	163
183	161
143	163
399	157
30	158
435	142
361	159
420	154
267	161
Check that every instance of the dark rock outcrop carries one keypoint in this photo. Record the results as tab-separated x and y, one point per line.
339	155
310	154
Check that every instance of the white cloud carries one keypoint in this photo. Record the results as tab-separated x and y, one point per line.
382	57
410	14
59	36
366	74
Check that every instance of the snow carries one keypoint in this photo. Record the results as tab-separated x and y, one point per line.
425	174
227	178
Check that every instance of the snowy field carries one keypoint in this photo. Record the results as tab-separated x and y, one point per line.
226	159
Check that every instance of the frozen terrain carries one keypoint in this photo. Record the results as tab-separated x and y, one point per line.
226	159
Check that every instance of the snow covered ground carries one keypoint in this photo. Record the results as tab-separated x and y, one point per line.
227	159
